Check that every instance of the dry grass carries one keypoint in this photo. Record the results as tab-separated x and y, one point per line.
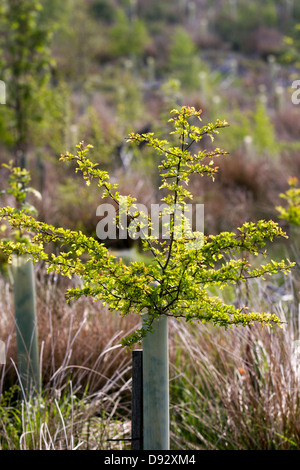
85	373
235	389
238	389
75	339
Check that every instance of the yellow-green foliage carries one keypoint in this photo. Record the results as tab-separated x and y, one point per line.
176	282
291	212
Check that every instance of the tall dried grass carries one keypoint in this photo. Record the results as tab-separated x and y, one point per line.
235	389
85	374
238	389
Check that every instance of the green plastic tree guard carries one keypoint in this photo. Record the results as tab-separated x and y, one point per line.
26	324
156	387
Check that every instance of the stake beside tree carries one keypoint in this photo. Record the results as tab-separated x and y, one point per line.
176	283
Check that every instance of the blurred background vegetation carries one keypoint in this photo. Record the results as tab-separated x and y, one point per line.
95	70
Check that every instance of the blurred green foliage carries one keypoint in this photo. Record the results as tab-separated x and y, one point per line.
184	60
237	23
128	37
26	61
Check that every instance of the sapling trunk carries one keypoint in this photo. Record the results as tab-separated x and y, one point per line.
26	324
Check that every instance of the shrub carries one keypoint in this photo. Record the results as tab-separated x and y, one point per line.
183	268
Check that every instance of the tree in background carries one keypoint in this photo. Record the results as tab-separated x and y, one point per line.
128	36
26	62
263	131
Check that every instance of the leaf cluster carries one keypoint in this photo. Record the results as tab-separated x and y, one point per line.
291	212
18	187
